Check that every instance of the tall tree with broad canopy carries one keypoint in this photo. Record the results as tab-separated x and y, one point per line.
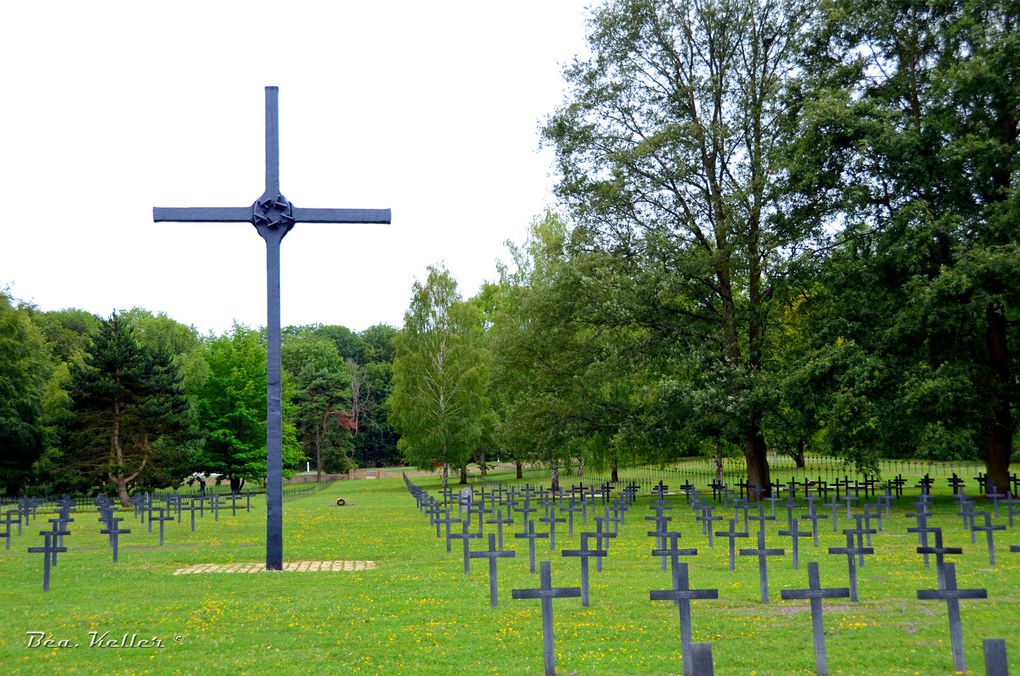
232	410
439	399
129	412
908	116
667	149
25	370
321	386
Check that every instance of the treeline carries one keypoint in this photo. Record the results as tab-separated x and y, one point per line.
138	400
785	226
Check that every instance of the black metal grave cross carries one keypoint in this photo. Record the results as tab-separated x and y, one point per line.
49	549
683	595
732	534
761	552
952	595
851	561
499	521
584	554
163	517
466	536
940	555
988	529
547	593
492	554
795	533
816	594
531	536
273	217
114	530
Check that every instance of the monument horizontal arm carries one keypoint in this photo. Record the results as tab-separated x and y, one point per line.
202	214
302	215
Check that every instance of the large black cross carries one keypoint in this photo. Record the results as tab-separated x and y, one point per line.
273	217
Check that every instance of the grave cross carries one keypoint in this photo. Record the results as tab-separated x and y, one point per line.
273	217
816	594
732	535
492	554
9	520
922	529
795	534
499	521
531	536
584	554
7	523
552	520
860	533
49	548
952	595
163	517
813	516
466	537
761	552
114	530
995	657
940	555
988	529
851	552
683	595
448	519
547	593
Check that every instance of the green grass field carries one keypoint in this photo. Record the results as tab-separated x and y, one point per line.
418	612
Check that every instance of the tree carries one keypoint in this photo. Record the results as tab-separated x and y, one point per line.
667	147
439	377
321	398
232	409
907	121
24	374
129	412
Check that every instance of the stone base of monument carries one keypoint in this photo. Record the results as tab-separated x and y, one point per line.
292	567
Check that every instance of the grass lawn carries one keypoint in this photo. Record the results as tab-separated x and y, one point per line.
417	611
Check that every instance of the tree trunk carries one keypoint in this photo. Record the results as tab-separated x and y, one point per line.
446	476
1000	438
580	468
235	484
798	454
482	467
520	469
614	475
122	492
756	456
463	475
718	462
554	477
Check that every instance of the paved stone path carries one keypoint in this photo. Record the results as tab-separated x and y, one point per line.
293	567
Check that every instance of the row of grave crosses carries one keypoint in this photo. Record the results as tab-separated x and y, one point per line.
696	658
147	508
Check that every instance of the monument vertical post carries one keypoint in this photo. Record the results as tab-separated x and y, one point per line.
273	217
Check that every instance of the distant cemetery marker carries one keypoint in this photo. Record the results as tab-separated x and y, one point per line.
273	217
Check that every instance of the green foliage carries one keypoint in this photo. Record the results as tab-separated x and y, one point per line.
232	409
321	390
25	373
130	422
905	132
440	377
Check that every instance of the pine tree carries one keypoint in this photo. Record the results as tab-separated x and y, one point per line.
128	410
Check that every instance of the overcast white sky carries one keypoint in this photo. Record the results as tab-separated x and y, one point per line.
429	108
